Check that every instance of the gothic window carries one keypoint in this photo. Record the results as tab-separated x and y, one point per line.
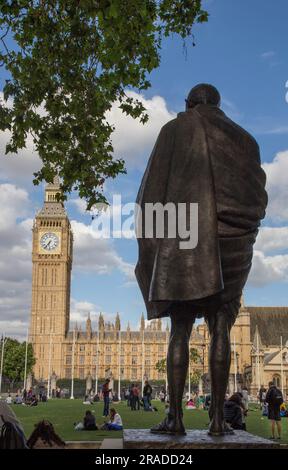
69	360
81	373
147	362
134	360
82	360
134	374
45	277
122	360
68	372
108	348
161	347
69	348
134	348
107	360
277	381
53	301
82	347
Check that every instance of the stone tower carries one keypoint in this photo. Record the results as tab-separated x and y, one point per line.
51	277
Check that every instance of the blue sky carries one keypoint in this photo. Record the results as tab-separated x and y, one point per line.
242	51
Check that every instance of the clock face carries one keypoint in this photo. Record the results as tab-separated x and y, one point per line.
49	241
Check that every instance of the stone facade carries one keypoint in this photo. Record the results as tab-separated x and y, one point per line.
110	350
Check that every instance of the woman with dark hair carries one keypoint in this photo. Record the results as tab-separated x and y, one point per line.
88	424
233	411
115	422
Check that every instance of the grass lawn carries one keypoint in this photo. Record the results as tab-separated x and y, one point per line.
63	413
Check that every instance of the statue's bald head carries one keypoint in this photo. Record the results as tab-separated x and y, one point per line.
203	94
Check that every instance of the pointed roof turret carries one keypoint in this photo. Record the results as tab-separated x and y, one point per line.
101	322
53	206
257	342
88	326
117	322
142	322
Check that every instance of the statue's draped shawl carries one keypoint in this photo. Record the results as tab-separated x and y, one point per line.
201	157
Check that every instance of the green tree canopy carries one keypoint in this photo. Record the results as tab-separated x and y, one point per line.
194	355
195	377
160	366
69	62
14	359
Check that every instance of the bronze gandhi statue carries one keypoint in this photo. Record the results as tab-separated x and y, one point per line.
200	157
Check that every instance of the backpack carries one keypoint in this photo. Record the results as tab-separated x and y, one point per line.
276	397
11	437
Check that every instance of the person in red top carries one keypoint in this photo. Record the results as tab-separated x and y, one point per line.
135	398
106	391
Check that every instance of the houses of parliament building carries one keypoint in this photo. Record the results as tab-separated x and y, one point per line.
256	337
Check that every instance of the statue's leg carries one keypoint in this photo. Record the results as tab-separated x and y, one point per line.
220	324
177	367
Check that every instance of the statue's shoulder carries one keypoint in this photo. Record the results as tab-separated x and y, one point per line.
170	124
216	117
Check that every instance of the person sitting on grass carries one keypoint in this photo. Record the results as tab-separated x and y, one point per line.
34	401
190	405
88	424
283	411
18	400
9	400
233	411
115	422
87	400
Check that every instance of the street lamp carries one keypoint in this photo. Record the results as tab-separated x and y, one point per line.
4	340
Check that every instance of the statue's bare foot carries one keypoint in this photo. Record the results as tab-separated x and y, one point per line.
219	428
169	425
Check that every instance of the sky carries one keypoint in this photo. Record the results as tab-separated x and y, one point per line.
242	50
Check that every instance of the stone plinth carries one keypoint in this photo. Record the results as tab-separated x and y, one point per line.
144	439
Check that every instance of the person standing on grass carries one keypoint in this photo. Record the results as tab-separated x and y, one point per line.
136	393
147	392
274	398
262	396
245	398
106	392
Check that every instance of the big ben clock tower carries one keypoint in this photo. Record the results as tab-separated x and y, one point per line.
51	276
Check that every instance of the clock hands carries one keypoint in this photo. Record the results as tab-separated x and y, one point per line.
49	241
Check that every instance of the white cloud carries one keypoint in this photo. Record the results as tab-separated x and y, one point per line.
132	140
277	130
15	260
18	168
94	254
267	269
268	54
272	239
80	310
231	109
270	260
277	187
